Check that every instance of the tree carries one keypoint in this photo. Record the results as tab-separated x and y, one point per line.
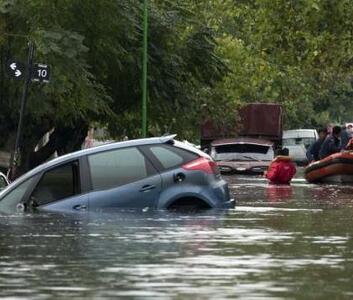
94	48
297	53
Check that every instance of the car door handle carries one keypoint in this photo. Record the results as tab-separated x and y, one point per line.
147	188
80	207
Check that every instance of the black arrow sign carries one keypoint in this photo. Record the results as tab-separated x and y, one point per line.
16	69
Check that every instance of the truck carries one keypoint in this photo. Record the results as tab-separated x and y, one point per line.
251	149
256	120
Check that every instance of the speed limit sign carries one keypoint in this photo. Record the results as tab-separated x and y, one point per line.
40	72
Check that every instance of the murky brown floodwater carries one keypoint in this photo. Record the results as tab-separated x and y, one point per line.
279	243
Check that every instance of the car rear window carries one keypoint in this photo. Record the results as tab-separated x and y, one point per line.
242	148
298	141
170	157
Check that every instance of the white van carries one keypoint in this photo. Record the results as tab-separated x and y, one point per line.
298	141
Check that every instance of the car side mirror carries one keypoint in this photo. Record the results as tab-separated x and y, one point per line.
21	207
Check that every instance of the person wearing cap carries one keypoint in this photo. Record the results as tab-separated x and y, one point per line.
281	169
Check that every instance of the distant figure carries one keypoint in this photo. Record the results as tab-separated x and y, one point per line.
346	135
313	152
332	143
281	169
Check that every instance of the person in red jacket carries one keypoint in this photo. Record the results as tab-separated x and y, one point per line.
281	169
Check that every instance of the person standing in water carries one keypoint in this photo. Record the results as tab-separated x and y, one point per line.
281	169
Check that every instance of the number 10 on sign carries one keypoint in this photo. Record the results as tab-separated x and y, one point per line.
40	72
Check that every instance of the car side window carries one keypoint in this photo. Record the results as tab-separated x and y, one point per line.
118	167
58	183
9	202
170	156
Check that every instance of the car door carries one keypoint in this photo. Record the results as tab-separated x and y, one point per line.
123	178
59	189
169	161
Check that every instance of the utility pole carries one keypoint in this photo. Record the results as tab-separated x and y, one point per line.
15	154
144	69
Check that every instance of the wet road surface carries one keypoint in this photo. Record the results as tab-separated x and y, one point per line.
278	243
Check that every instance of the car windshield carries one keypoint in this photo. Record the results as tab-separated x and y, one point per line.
298	141
9	201
245	152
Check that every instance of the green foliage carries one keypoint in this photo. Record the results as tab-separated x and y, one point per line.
298	53
94	49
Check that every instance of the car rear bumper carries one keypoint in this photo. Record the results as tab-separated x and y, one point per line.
256	170
221	196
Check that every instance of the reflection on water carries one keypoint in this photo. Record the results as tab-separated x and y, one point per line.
256	191
279	243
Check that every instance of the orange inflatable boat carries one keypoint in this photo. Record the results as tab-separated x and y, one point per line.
336	168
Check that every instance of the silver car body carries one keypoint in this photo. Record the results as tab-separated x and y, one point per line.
160	189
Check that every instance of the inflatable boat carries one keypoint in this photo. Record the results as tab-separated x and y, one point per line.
336	168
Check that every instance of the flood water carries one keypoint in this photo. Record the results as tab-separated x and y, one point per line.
278	243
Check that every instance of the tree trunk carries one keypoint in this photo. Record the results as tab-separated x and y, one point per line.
62	140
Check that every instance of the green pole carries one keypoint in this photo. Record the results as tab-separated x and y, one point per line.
144	69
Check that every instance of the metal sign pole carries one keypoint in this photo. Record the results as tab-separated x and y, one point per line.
23	104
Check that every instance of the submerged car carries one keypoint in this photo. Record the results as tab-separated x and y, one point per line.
298	141
242	155
3	181
159	173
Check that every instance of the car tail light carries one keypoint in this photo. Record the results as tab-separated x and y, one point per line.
202	164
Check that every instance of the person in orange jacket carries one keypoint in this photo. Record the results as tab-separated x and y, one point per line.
281	169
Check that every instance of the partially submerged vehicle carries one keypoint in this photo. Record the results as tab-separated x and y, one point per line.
242	155
336	168
298	141
156	173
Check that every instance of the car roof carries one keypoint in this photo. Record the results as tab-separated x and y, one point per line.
98	149
241	140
